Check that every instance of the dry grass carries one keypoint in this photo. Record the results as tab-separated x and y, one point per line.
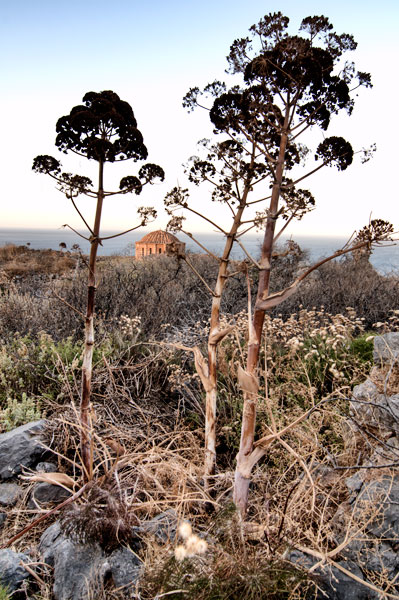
148	438
22	261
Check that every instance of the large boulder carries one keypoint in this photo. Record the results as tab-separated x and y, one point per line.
80	569
370	408
12	573
21	447
333	583
386	348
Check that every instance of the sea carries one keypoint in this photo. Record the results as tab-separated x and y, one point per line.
385	259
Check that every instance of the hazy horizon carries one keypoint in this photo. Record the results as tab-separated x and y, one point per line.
151	55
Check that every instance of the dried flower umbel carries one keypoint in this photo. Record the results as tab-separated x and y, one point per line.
103	517
193	544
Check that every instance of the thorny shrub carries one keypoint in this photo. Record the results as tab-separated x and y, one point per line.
164	290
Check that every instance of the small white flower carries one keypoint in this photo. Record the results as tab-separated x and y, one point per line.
185	530
202	547
180	553
192	544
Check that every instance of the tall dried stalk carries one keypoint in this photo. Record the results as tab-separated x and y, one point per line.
104	129
87	364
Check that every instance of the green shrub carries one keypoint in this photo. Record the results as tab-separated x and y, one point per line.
362	348
4	593
19	412
41	367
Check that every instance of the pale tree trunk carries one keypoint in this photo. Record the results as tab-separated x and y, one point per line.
213	342
245	456
85	405
214	339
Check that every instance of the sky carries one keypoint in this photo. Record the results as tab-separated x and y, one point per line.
151	54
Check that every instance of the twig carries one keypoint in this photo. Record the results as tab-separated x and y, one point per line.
190	235
253	261
77	232
67	304
32	572
189	264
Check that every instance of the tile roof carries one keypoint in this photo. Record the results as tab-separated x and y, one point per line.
158	237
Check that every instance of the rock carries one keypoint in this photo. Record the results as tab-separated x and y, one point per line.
49	542
3	517
354	483
382	496
12	574
386	348
20	447
79	568
374	505
339	586
378	557
125	567
163	526
335	584
9	494
43	493
46	467
369	408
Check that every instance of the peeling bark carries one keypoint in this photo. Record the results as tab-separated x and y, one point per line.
216	335
241	485
86	442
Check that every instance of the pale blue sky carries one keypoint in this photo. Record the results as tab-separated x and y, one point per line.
151	54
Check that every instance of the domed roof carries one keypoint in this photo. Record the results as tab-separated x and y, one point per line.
159	237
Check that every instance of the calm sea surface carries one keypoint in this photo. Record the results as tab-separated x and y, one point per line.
384	259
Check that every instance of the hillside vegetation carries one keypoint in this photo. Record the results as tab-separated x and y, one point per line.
149	405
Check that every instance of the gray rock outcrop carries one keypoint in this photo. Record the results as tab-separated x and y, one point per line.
19	448
367	525
9	494
369	407
80	569
386	348
333	583
12	573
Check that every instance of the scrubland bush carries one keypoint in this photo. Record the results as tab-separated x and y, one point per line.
23	261
19	411
348	282
162	290
148	399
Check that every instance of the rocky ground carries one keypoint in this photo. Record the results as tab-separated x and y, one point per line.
364	553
